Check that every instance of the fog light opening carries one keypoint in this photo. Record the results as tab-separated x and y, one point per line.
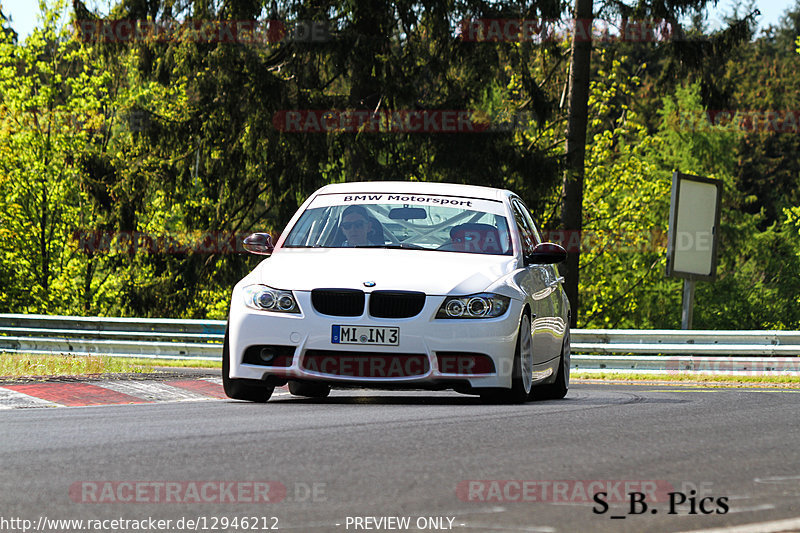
266	354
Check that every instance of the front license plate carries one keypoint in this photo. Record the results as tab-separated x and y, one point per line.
365	335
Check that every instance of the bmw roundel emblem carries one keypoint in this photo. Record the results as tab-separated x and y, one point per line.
369	283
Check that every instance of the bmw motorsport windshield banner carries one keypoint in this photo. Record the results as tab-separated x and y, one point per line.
472	204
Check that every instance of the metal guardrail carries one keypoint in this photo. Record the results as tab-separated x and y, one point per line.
659	364
686	342
158	338
594	350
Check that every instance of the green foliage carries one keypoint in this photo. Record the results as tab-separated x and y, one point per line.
212	161
625	287
625	211
47	111
17	365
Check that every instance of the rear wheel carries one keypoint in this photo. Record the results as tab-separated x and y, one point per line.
521	372
558	389
250	390
309	390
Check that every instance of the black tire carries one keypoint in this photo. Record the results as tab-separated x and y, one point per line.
309	390
558	389
250	390
517	393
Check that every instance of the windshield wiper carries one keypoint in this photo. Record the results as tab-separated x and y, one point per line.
403	246
399	245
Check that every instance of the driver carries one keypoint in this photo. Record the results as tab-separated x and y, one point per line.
356	226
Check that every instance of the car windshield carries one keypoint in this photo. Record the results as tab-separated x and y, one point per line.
426	222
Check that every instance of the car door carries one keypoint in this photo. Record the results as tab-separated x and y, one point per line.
548	324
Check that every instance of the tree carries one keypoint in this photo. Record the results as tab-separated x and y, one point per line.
218	163
128	170
683	55
626	206
623	283
575	147
48	114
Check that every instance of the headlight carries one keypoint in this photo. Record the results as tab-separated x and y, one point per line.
483	305
266	298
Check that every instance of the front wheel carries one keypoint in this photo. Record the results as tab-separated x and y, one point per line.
522	370
242	389
558	389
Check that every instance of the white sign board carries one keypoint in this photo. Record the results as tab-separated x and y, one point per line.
693	227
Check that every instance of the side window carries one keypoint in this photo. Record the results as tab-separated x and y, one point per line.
525	229
526	213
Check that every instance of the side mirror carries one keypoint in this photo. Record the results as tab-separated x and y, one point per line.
546	253
259	244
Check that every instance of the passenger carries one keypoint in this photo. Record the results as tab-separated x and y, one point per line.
475	238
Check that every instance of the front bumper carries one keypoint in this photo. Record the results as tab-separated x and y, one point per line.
308	335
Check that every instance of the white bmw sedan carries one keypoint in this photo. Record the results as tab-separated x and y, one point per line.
402	285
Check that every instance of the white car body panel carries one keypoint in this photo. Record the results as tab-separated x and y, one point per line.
434	273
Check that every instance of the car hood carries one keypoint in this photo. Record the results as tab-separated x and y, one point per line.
431	272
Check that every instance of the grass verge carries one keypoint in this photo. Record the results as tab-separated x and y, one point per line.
691	379
172	363
24	365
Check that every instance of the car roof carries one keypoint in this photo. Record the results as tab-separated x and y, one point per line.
418	187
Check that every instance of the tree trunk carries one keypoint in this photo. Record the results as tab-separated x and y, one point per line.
572	193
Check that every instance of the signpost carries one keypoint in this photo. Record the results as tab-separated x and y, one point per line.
693	234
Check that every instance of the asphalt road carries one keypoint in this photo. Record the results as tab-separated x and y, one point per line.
441	460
